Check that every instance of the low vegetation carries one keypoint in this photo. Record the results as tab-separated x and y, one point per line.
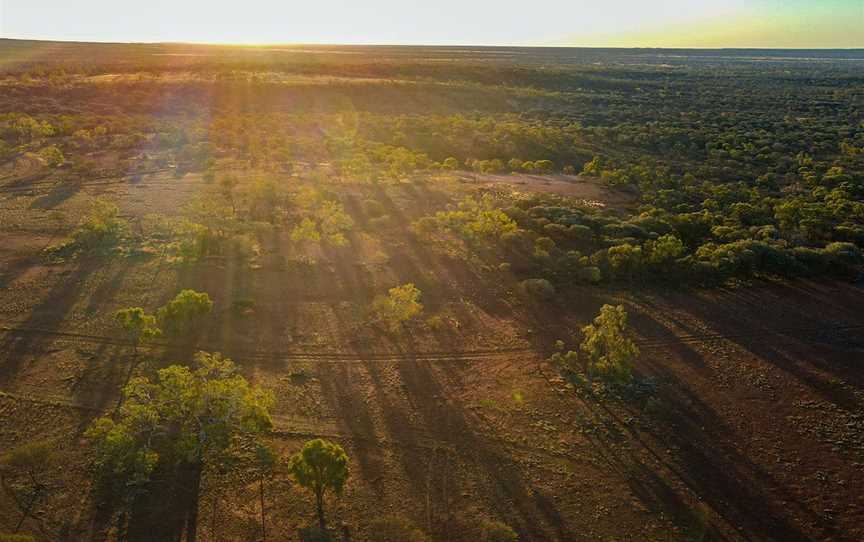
388	242
400	305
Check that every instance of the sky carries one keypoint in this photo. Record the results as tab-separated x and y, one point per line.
588	23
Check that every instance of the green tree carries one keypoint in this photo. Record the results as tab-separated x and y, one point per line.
306	230
227	187
608	349
475	221
450	163
593	167
123	456
401	304
625	259
101	226
264	463
138	327
334	223
320	466
330	223
544	166
665	250
23	469
194	417
566	361
183	313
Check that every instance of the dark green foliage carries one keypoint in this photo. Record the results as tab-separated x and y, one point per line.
137	325
192	417
185	312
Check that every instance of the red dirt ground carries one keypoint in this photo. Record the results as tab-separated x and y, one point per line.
756	431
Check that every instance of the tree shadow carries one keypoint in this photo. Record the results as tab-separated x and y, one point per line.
25	340
708	460
445	419
169	509
56	196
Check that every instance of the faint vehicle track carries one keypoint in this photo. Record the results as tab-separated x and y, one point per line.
800	333
100	180
325	357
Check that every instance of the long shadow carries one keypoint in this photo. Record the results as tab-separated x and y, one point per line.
47	315
339	391
444	419
98	386
713	469
27	181
18	267
738	324
441	276
166	511
106	290
58	194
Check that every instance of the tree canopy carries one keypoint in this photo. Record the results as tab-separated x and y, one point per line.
321	466
609	351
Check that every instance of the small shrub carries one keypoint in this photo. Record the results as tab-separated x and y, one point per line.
496	531
401	304
591	275
52	155
450	163
306	230
102	226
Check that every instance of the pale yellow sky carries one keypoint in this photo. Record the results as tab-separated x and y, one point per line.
821	25
662	23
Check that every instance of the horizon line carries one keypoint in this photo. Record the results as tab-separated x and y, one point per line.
450	45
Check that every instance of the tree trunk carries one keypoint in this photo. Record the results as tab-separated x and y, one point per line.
122	525
192	511
26	512
319	501
37	490
20	521
132	365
